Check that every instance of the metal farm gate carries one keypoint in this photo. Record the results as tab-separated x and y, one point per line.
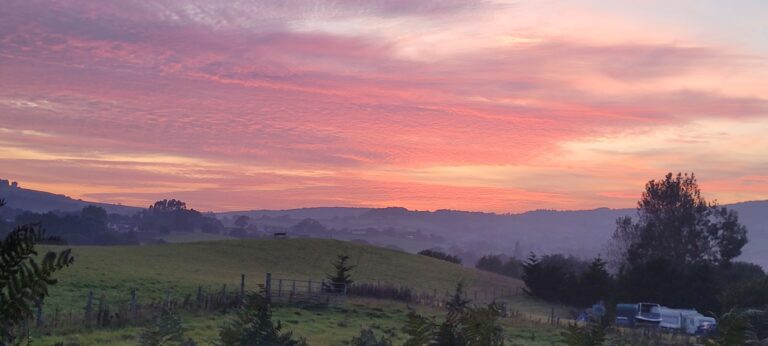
304	292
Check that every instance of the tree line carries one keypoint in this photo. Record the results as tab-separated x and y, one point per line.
679	251
94	226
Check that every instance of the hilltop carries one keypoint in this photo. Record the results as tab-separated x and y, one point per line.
41	201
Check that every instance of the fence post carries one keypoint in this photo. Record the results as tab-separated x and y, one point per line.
279	288
132	305
268	286
199	297
168	298
242	286
309	288
39	314
552	316
89	308
103	316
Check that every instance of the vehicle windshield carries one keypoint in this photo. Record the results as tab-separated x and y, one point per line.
649	308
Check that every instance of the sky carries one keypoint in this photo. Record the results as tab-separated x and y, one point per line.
453	104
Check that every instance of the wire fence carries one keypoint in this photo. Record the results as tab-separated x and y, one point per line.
130	308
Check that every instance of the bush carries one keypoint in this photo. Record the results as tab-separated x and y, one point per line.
591	334
440	255
743	327
749	294
496	264
167	329
368	338
387	291
25	276
253	326
462	326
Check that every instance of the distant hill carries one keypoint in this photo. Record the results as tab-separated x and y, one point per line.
468	234
40	201
471	234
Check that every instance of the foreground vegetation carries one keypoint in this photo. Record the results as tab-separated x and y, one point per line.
331	326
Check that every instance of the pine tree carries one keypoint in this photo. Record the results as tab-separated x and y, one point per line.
458	300
342	278
253	326
532	269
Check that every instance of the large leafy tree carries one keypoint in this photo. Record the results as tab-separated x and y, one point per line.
25	276
677	224
678	248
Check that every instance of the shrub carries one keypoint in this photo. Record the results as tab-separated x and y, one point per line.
253	326
591	334
440	255
387	291
167	329
368	338
462	326
24	281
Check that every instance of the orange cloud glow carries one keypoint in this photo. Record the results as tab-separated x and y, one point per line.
474	105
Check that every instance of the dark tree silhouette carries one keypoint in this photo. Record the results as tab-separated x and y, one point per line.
458	301
440	255
341	278
169	205
594	284
679	250
253	326
677	224
242	221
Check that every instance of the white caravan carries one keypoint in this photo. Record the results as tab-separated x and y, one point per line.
671	319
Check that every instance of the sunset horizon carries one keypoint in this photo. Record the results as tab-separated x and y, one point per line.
490	106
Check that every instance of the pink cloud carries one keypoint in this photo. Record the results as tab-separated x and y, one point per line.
241	85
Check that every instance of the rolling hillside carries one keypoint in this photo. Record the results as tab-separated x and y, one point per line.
470	234
41	201
114	271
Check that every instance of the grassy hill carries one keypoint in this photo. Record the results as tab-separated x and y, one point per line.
114	271
41	201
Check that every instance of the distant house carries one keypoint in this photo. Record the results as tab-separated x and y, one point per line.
280	235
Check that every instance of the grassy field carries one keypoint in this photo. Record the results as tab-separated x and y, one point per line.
114	271
182	267
320	327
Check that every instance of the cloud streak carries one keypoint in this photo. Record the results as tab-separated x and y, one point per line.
307	103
